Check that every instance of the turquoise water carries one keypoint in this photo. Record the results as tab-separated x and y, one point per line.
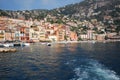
71	61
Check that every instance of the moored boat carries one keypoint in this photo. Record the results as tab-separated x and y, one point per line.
8	50
26	44
48	44
8	45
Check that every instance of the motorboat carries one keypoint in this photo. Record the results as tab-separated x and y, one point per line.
8	44
48	44
25	44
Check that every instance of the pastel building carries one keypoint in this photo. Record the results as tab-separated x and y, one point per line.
53	38
2	34
42	34
100	37
60	32
73	36
84	36
9	34
17	35
34	33
90	34
49	33
24	33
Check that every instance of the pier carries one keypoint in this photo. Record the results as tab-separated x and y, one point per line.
5	50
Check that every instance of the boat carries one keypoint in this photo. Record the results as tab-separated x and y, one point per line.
25	44
8	44
48	44
17	44
93	42
8	50
43	43
1	45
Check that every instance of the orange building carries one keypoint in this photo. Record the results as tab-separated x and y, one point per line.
73	36
24	33
8	34
60	34
59	31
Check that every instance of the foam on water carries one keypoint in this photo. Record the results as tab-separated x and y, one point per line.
93	70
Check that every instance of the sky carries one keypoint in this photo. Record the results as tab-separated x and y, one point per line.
34	4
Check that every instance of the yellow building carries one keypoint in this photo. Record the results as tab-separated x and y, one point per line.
42	36
34	33
60	33
2	35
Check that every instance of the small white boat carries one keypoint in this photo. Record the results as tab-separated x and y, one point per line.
93	42
1	45
43	43
8	45
48	44
25	44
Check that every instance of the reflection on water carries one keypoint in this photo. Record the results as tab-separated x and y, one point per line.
71	61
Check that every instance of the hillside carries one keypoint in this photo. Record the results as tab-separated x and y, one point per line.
92	9
105	11
84	10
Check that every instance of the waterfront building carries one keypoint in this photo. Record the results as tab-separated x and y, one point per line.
60	32
42	34
17	35
73	36
34	33
84	36
100	37
53	38
17	32
2	34
90	34
111	34
9	34
24	33
49	32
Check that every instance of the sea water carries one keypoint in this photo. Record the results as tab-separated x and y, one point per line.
71	61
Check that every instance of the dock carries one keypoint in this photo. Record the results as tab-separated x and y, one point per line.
5	50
